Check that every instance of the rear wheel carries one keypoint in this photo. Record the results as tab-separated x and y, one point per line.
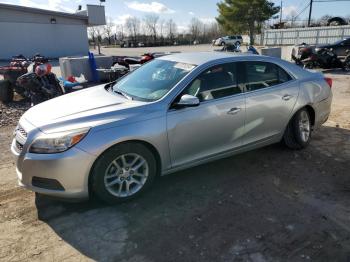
309	65
298	132
347	63
6	91
123	172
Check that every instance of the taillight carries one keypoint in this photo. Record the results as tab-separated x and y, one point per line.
329	81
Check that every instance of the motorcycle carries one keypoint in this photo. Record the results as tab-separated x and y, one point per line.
127	61
304	52
324	58
251	49
231	48
40	84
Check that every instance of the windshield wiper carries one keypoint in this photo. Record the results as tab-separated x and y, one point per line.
119	92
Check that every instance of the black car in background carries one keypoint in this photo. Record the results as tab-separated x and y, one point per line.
338	47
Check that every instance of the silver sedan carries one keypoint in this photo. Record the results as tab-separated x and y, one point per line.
175	112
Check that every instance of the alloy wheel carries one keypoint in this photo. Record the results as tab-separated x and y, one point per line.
126	175
304	126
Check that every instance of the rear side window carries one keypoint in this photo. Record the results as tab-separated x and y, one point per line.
216	82
263	74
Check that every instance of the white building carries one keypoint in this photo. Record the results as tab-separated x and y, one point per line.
27	31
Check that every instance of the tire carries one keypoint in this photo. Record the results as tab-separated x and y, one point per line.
106	171
293	136
309	65
223	44
6	91
347	64
238	43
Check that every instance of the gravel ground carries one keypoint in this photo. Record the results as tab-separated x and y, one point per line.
270	204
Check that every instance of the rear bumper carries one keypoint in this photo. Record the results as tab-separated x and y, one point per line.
323	110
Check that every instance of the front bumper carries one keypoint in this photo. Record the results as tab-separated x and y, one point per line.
69	169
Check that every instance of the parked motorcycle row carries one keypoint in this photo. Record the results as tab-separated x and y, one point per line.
30	78
323	58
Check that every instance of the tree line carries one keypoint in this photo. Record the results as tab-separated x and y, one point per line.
151	30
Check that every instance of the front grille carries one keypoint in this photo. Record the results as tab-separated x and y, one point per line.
22	131
19	146
21	137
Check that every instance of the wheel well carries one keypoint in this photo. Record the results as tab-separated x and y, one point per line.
146	144
312	115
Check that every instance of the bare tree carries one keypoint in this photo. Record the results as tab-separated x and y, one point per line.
92	35
161	27
120	32
195	28
99	31
171	29
108	30
151	22
132	25
324	20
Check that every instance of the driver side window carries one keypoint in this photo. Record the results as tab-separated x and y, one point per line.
216	82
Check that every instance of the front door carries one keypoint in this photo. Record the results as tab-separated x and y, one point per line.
213	127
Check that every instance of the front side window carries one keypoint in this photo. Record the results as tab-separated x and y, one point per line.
216	82
153	80
263	74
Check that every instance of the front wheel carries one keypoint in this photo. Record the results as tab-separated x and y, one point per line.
298	132
123	172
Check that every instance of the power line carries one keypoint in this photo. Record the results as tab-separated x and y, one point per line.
302	11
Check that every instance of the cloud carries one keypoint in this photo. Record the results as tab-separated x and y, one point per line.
120	20
182	28
290	10
55	5
153	7
191	13
207	20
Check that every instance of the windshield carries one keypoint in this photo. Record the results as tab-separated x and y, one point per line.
153	80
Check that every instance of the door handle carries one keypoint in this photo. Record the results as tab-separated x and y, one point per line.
286	97
233	111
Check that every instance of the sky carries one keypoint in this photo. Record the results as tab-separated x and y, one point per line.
181	11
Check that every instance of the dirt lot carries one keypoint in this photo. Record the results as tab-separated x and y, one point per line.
270	204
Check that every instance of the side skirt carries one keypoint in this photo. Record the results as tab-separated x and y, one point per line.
242	149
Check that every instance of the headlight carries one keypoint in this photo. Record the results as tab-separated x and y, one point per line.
57	142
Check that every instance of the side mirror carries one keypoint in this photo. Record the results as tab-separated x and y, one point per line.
188	101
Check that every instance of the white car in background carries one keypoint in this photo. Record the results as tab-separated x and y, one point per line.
229	40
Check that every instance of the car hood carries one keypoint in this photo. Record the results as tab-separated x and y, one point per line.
86	108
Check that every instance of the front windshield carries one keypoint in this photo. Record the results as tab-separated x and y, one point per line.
153	80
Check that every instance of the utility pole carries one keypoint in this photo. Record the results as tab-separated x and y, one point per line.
309	21
281	12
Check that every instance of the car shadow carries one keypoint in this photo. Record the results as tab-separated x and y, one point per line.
206	209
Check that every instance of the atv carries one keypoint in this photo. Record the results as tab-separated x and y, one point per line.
17	67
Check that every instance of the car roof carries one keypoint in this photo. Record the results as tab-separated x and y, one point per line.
199	58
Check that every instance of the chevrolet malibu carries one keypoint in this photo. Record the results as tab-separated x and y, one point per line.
173	113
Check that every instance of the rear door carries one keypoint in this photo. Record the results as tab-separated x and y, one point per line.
271	94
